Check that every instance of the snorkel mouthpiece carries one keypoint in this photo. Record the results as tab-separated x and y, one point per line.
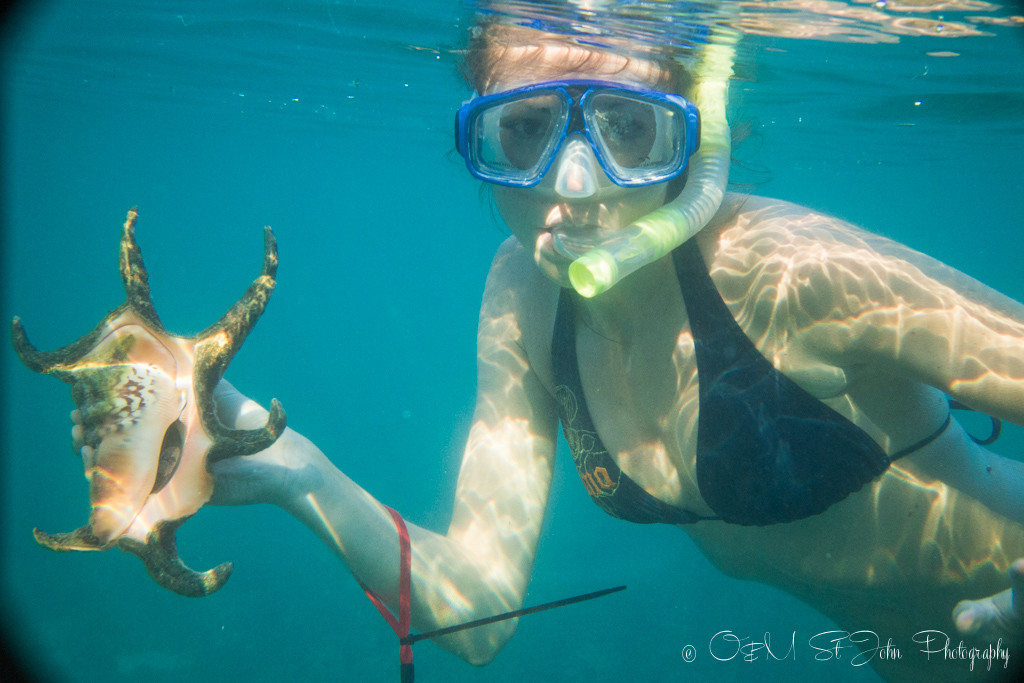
598	269
664	229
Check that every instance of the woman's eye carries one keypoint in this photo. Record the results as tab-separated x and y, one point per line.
524	126
622	126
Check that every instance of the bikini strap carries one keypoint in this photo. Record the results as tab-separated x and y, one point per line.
997	428
923	442
997	424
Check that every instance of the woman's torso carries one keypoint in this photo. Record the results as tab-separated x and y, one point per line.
641	391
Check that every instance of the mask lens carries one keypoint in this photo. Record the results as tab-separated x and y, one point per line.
639	138
514	139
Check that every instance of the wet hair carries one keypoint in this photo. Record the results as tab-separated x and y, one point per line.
499	51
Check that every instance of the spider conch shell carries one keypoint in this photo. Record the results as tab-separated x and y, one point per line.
149	420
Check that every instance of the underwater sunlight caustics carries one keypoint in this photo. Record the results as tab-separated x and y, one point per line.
149	427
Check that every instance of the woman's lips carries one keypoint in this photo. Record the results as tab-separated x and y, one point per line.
574	244
570	232
572	241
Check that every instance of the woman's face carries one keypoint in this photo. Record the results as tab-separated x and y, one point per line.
576	206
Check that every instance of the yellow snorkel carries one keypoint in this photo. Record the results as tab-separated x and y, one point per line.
664	229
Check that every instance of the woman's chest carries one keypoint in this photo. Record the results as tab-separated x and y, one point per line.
679	412
642	403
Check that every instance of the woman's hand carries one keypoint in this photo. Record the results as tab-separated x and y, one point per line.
997	616
288	470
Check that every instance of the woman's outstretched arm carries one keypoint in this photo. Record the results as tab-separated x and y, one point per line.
482	565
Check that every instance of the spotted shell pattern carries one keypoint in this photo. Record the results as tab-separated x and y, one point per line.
150	427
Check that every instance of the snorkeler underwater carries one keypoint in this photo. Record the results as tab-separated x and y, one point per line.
572	298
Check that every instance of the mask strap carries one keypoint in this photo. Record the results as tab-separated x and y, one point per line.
400	625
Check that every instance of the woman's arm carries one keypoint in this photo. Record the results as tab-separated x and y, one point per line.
482	565
891	316
903	314
907	322
884	326
891	326
816	286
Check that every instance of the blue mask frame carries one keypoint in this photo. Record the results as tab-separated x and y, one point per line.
577	115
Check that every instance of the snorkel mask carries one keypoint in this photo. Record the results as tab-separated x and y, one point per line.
662	230
638	136
697	34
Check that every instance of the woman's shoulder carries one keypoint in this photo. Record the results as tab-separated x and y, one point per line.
762	236
778	242
768	225
521	302
772	227
514	278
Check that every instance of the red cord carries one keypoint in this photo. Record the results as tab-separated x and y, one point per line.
402	624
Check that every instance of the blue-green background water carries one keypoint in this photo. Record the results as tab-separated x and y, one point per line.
331	121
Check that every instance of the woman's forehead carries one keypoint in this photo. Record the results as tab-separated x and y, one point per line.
521	65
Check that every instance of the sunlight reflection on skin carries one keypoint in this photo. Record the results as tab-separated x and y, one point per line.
496	532
858	321
861	323
830	304
814	294
860	305
315	504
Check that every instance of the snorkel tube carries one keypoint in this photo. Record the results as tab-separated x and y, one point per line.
664	229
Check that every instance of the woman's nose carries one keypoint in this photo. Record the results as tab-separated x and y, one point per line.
577	169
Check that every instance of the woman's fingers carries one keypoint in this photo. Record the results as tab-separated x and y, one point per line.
998	616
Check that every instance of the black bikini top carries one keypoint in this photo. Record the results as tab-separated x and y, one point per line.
767	451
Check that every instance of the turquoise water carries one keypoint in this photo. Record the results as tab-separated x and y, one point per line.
331	121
